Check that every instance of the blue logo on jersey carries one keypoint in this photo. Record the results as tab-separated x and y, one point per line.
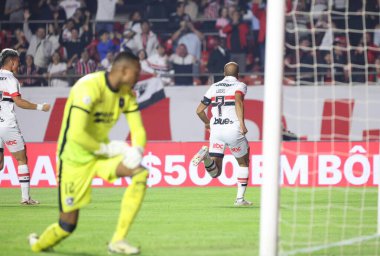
121	102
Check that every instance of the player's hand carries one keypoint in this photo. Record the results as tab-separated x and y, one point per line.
45	107
243	129
133	157
114	148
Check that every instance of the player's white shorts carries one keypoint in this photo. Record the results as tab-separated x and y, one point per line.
229	136
12	138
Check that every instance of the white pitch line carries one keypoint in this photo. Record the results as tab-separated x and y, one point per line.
326	246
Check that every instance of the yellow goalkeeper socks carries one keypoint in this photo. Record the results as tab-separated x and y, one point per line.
130	205
50	237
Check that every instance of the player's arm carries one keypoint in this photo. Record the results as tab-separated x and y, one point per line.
239	108
136	126
201	111
24	104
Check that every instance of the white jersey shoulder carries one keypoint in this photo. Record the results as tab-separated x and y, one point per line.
226	87
9	87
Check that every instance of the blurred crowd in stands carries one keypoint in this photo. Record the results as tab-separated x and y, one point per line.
188	42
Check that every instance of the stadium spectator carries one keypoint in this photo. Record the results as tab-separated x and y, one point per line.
358	63
160	64
145	68
56	72
76	44
191	9
105	64
182	63
222	21
70	7
259	10
79	18
105	45
105	14
237	33
177	18
66	30
306	62
340	61
146	40
210	8
219	56
49	8
15	10
20	45
29	70
39	46
128	43
85	65
318	7
187	34
325	66
54	34
376	35
134	22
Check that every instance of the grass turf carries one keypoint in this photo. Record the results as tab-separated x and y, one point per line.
197	221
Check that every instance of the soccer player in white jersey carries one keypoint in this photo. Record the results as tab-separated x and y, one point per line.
227	128
10	133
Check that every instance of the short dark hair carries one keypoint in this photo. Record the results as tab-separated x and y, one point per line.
125	56
6	54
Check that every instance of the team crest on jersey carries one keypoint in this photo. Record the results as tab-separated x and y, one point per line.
70	201
87	100
121	102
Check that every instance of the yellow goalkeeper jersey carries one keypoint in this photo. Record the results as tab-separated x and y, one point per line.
92	109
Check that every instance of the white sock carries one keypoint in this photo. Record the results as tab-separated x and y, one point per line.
24	179
242	182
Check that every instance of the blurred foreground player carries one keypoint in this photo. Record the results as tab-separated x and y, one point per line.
85	151
10	133
227	128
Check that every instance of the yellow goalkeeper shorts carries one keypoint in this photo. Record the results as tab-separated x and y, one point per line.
74	180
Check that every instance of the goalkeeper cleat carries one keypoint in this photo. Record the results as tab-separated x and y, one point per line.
200	156
122	247
33	238
30	201
242	202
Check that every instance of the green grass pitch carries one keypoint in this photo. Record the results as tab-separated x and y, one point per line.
195	221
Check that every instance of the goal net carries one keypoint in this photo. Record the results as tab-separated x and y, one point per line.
330	167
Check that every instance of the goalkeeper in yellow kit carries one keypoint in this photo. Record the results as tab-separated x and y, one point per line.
84	151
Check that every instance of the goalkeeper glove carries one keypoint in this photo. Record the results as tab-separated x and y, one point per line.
114	148
133	157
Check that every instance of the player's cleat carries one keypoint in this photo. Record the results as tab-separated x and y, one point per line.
242	202
200	156
122	247
30	201
33	238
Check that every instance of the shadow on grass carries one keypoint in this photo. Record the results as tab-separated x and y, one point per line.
238	208
41	206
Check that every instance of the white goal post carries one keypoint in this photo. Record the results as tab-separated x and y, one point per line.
272	127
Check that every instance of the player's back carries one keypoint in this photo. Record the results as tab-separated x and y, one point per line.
222	96
9	87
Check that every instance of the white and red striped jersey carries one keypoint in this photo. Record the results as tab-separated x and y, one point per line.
221	96
9	87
